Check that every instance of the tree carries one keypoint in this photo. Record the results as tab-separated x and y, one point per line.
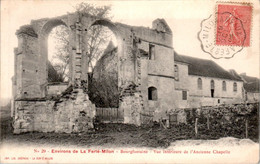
60	60
98	37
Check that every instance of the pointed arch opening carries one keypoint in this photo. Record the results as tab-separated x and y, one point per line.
103	48
54	48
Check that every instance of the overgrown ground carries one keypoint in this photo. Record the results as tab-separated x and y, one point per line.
121	135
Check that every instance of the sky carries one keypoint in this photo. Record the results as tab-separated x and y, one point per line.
183	17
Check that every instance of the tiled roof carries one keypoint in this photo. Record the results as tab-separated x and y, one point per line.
203	67
251	84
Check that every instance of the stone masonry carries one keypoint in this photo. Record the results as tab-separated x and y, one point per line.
36	108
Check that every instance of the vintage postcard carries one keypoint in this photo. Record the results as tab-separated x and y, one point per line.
129	81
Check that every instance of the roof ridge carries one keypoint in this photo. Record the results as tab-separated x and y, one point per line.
205	67
194	57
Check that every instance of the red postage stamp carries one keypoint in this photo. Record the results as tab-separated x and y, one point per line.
233	24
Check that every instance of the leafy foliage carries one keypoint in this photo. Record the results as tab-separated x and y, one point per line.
60	60
103	86
104	92
98	37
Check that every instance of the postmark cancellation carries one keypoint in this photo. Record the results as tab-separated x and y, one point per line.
227	31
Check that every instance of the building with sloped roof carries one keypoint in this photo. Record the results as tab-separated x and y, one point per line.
185	82
251	86
150	79
200	82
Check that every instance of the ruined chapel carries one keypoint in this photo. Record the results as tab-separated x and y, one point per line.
152	80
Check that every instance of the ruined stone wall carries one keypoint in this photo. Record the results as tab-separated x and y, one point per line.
71	113
158	71
26	66
132	106
149	109
34	108
56	88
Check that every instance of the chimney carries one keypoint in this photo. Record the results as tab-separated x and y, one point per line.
234	73
161	26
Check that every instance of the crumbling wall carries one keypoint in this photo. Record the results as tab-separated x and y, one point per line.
56	88
71	113
35	110
26	65
156	71
132	105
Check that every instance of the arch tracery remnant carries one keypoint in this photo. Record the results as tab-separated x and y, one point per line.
70	110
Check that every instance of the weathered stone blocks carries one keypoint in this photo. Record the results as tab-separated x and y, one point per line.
132	107
181	115
34	108
68	116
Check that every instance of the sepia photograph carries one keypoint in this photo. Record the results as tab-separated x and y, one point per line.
115	81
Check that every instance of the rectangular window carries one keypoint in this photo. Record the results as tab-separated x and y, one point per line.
184	95
212	92
151	52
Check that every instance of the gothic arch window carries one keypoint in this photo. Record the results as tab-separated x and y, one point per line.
224	86
54	37
212	84
212	88
199	84
176	72
106	35
235	87
152	93
103	42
